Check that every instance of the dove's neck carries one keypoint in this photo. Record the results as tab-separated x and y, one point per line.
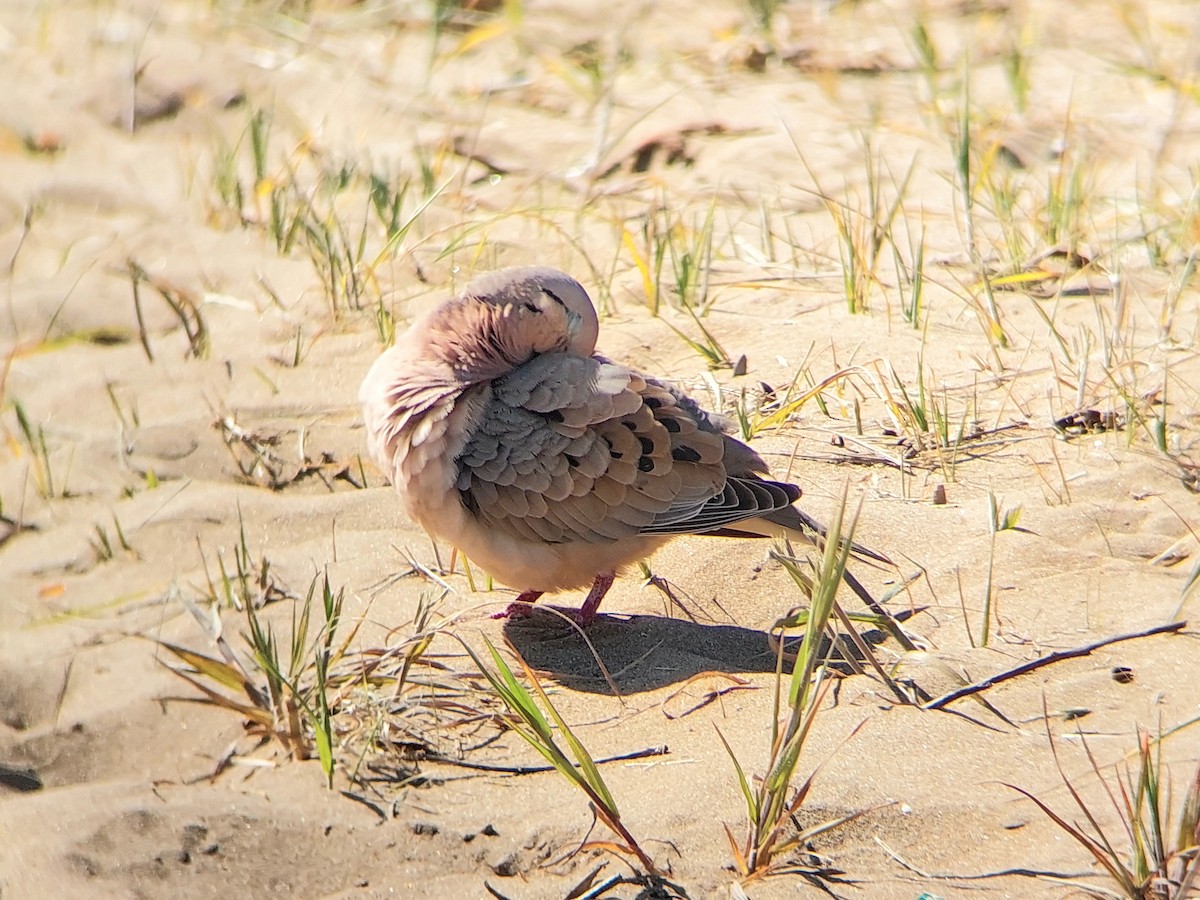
480	342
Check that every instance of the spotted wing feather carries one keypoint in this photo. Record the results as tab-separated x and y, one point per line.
569	449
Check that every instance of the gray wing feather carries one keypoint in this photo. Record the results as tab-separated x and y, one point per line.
580	449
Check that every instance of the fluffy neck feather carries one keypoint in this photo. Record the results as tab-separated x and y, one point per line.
481	341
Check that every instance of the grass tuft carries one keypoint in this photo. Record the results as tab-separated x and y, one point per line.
534	726
283	688
34	438
1158	857
772	802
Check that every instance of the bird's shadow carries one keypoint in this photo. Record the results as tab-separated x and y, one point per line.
642	653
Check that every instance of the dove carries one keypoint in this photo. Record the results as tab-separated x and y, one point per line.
549	465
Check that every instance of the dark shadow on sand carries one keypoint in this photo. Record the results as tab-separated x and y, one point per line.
642	653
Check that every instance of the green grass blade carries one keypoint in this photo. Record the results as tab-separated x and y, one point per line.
591	774
743	782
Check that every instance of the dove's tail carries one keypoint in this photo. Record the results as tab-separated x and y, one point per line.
793	523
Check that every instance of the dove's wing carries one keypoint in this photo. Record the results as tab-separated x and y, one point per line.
578	449
745	468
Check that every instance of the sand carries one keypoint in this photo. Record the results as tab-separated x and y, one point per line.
220	400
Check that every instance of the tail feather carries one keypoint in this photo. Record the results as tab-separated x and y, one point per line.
795	523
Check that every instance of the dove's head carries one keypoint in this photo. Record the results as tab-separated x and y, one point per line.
502	320
546	307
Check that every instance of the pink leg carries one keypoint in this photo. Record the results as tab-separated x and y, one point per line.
521	607
587	612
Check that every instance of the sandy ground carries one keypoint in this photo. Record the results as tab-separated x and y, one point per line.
577	135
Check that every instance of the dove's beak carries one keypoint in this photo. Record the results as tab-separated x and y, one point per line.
573	320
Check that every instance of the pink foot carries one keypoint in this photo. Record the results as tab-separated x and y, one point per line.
521	608
514	610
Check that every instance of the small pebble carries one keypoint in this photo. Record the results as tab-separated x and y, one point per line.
1122	674
939	495
507	867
